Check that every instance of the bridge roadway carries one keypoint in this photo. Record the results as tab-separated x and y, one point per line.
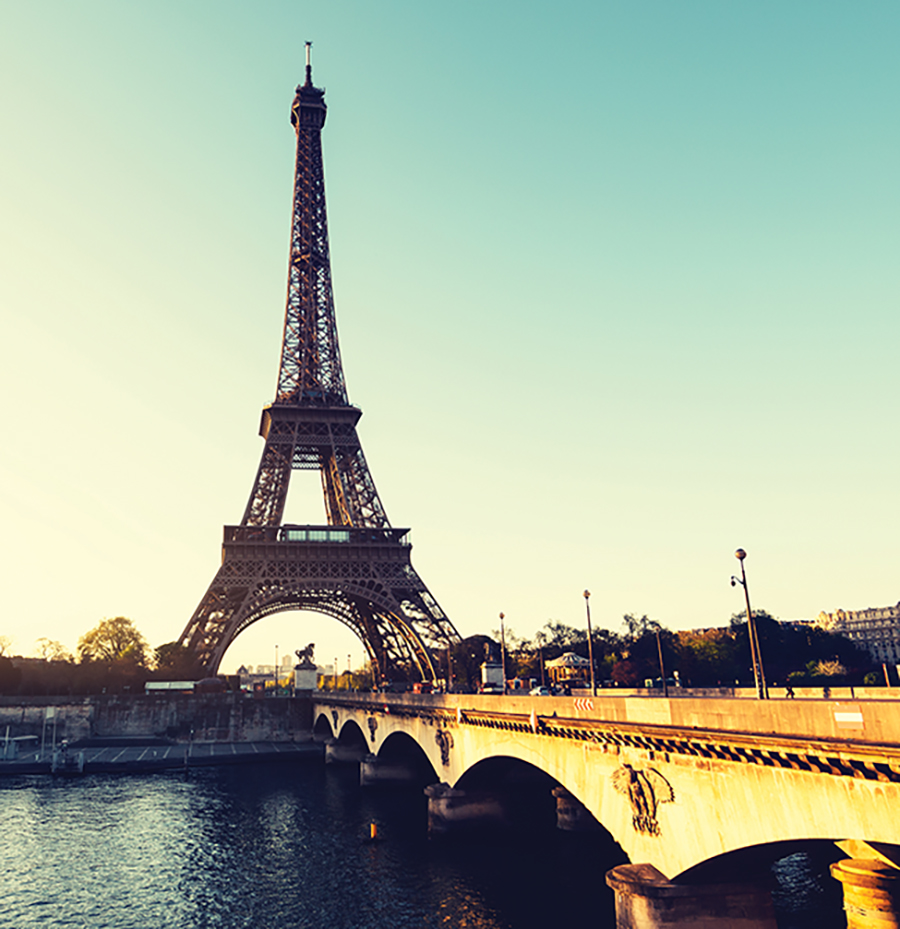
678	781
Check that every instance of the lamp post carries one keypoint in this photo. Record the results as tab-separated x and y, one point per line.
662	667
503	653
275	691
759	676
587	606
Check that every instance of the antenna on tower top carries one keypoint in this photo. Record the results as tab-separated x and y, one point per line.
308	65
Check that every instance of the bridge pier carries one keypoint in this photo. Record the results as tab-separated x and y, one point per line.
373	771
646	899
451	810
571	814
338	752
871	892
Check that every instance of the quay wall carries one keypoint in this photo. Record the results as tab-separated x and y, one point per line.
226	717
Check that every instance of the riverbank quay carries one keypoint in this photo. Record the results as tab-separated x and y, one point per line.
174	717
141	758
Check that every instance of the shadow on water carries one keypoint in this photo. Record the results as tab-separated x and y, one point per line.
806	896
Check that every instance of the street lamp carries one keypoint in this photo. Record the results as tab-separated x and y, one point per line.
662	667
540	640
275	691
503	653
587	606
759	676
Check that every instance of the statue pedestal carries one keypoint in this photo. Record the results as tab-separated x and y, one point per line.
305	676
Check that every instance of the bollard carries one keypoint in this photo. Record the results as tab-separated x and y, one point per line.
871	892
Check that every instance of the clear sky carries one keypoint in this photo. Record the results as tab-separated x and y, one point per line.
616	283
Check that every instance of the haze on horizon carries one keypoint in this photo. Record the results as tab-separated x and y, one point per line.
616	287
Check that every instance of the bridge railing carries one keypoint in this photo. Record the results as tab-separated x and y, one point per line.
839	726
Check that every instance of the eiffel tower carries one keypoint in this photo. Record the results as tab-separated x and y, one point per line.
356	568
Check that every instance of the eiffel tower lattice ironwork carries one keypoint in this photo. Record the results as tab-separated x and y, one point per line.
356	568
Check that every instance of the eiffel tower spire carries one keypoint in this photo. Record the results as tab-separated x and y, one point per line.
310	371
356	568
310	375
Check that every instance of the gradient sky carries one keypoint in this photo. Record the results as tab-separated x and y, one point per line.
616	283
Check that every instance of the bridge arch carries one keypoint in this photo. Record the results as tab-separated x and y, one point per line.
322	728
401	748
759	859
351	734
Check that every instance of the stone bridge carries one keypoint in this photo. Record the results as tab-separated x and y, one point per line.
678	783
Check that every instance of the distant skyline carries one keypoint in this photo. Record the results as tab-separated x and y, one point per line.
616	287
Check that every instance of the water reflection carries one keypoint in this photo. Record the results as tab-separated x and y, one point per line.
251	846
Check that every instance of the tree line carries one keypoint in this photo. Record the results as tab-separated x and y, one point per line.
114	657
794	654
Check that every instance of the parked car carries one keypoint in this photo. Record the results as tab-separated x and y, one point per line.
539	692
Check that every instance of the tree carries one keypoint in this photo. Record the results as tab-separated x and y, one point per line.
793	650
10	676
709	657
175	661
5	643
51	650
467	657
559	638
636	628
640	651
114	641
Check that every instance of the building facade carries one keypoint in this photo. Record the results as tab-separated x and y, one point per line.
877	630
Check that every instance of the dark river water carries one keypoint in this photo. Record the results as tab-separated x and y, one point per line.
282	846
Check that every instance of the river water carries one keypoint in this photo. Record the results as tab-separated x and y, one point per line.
283	846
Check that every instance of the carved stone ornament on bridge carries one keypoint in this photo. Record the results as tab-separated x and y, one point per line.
444	742
373	725
334	716
645	790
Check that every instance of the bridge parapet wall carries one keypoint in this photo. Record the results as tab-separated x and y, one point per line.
875	721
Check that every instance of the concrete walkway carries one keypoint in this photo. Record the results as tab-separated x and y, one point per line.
138	758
